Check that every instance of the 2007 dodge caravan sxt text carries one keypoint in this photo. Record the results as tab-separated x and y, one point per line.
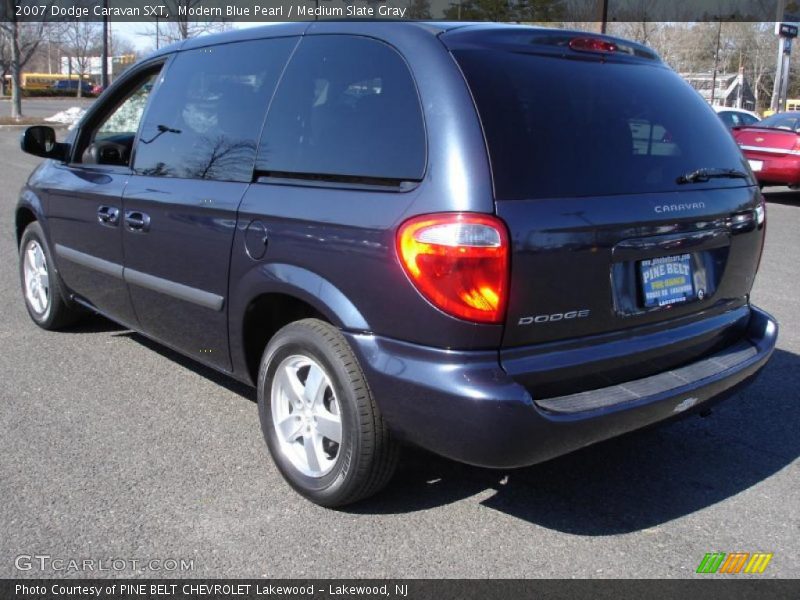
499	243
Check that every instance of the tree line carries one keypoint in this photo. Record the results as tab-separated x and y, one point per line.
686	47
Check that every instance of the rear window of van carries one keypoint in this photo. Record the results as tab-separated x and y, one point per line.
559	127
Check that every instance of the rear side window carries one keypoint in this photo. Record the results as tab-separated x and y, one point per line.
205	119
557	127
346	107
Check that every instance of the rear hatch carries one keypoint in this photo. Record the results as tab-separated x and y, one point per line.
627	200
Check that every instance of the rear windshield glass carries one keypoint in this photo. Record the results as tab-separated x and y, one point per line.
567	128
781	121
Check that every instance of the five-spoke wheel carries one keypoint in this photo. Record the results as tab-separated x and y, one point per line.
41	286
320	421
36	278
305	413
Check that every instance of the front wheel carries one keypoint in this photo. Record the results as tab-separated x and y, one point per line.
318	416
41	286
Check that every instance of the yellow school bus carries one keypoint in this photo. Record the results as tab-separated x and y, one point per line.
791	104
41	81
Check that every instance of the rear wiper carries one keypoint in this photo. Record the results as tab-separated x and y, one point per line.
701	175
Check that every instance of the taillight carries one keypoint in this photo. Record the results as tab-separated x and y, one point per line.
761	223
592	45
761	211
459	262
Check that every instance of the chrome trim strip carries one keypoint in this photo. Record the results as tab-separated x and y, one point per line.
92	262
176	290
770	150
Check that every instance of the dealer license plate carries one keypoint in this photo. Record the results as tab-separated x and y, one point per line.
756	165
667	280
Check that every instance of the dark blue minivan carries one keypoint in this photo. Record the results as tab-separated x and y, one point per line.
499	243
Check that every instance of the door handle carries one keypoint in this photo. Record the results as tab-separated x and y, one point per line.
108	215
137	221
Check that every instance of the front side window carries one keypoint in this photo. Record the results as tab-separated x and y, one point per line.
206	119
126	118
346	107
110	140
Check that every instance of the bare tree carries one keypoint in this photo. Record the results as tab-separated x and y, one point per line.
19	40
419	9
81	39
5	58
751	47
638	31
181	24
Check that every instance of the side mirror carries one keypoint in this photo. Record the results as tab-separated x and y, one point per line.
40	140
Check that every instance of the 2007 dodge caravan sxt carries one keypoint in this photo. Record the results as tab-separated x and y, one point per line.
499	243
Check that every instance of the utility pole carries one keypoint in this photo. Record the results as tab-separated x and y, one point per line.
716	63
601	16
604	16
785	32
787	49
104	66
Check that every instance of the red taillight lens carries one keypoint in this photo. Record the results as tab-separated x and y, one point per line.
458	261
592	45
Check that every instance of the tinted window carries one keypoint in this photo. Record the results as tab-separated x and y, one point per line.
108	137
781	121
207	114
347	106
730	119
124	120
557	127
747	119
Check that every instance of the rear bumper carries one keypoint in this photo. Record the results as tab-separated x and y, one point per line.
777	170
464	406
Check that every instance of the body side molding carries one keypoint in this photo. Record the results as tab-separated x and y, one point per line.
151	282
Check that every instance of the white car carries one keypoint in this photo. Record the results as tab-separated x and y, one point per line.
736	117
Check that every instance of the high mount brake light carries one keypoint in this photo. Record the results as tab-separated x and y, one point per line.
459	262
592	45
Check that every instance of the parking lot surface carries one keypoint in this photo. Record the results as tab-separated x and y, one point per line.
44	107
114	447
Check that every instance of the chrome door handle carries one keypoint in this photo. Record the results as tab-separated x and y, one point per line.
108	215
137	221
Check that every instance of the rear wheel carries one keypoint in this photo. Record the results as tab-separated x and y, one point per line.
41	286
319	418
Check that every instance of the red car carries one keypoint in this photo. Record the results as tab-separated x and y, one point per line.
772	148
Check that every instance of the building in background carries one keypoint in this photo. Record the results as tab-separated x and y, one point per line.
731	90
94	65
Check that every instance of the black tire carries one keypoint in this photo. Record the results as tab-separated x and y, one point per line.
59	312
367	456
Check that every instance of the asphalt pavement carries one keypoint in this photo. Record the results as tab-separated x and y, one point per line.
112	447
43	107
